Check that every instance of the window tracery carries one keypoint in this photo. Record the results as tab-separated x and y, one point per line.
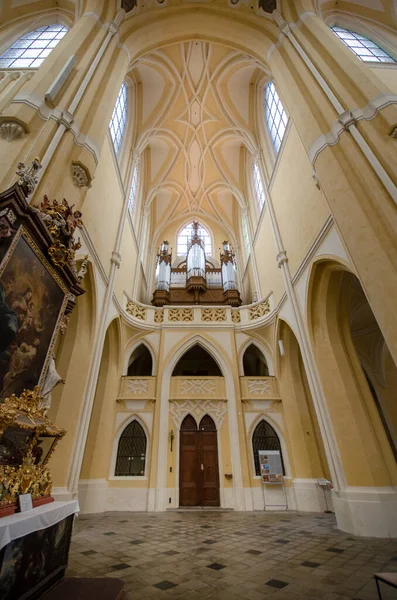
186	235
276	117
131	452
118	121
258	186
265	438
364	48
33	48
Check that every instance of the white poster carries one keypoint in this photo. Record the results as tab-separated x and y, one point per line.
271	466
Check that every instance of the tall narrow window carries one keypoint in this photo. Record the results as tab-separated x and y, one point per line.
246	235
362	47
134	188
276	117
131	452
33	48
118	121
258	186
186	235
265	438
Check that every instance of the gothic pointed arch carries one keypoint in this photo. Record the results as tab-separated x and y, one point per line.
265	437
197	362
254	362
140	362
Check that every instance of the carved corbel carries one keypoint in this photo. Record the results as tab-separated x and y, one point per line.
81	175
12	129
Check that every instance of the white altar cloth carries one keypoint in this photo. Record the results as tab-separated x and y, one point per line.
20	524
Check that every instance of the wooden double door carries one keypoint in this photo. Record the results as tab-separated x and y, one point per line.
198	464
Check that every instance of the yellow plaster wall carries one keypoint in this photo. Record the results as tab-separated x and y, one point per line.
300	207
265	251
102	206
388	76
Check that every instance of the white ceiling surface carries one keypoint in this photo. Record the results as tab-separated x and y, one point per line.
195	103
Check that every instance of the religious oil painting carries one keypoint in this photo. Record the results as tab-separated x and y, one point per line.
42	448
31	304
13	446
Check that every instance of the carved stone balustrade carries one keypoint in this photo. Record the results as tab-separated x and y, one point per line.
248	317
257	389
135	392
199	388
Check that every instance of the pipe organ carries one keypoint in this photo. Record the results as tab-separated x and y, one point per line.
196	280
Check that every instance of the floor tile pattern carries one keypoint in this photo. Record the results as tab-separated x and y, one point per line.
225	555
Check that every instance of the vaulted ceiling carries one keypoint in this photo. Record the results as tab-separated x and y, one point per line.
195	113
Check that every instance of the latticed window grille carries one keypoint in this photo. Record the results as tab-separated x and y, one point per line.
186	235
131	452
362	47
265	438
33	48
134	188
118	121
246	235
258	186
276	117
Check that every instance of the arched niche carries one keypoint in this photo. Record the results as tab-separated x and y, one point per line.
349	347
307	452
98	448
140	363
254	363
197	362
264	437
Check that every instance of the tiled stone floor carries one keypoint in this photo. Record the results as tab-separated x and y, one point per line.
229	556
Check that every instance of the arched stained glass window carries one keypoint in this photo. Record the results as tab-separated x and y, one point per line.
186	235
118	121
131	452
258	186
276	117
134	188
362	47
265	438
33	48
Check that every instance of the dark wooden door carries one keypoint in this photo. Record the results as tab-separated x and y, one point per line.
209	462
198	467
188	469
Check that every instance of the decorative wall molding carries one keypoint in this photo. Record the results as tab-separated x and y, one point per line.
180	314
12	129
216	409
258	386
213	314
259	310
139	312
370	111
197	386
138	386
81	175
159	316
236	316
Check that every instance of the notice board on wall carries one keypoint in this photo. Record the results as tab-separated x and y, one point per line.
271	466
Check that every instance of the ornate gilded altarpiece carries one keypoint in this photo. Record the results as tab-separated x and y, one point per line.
39	284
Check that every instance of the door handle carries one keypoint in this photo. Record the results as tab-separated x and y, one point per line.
202	467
